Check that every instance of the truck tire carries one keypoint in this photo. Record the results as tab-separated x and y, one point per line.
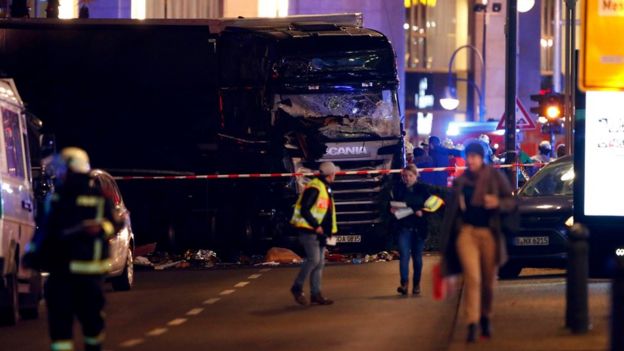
9	304
29	303
125	281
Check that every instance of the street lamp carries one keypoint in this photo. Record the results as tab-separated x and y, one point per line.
450	100
525	5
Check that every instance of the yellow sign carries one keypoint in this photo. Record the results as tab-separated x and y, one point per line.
602	52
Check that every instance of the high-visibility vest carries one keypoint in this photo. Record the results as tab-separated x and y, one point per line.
318	211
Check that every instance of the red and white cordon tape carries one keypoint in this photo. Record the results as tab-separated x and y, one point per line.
286	175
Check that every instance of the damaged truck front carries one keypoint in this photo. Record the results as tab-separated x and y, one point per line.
310	93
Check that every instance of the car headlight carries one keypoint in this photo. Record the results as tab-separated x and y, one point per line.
569	222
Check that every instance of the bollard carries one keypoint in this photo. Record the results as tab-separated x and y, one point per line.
577	305
617	305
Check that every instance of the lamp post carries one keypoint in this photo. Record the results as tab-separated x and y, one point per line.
450	101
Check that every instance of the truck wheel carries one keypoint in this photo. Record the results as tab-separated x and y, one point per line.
9	307
510	271
29	303
125	281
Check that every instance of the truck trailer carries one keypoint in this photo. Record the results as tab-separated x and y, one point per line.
227	96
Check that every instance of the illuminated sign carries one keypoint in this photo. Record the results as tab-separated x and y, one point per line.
602	58
604	154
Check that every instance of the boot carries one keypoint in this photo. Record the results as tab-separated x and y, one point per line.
472	333
416	289
299	296
402	289
319	299
486	331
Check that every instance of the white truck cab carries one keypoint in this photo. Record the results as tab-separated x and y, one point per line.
20	288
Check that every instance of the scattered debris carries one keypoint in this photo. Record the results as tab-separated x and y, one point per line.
145	250
282	255
164	266
142	261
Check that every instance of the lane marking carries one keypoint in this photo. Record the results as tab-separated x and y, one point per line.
194	311
226	292
241	284
212	301
264	270
176	322
157	332
131	342
254	276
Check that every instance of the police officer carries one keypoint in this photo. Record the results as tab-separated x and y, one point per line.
315	220
72	245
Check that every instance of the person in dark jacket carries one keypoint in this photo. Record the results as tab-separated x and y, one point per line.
314	218
472	235
72	245
440	157
411	226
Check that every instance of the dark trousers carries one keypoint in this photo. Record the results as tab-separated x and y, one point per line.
411	245
75	296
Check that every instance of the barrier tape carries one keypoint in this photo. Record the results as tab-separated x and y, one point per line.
300	174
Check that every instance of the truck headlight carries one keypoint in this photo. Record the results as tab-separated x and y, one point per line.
569	222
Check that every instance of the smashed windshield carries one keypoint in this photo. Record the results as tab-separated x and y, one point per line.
347	115
554	180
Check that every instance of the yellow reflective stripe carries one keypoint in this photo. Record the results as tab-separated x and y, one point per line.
90	267
87	201
95	340
433	203
62	345
97	250
108	228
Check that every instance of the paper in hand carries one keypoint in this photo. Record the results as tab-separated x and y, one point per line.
403	212
398	204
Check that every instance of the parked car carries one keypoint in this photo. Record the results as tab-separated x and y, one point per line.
122	244
546	208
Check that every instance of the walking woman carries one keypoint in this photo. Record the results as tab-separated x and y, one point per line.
411	200
473	240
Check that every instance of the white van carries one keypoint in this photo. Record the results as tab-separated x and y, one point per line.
20	288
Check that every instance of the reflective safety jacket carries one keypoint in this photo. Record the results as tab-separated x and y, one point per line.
77	223
318	210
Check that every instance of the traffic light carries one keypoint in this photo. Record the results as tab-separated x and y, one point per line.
549	110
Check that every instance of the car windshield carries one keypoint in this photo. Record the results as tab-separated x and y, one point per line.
554	180
347	115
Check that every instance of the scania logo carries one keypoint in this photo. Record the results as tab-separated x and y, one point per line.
347	150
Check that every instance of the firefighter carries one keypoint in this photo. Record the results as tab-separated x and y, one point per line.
72	245
315	220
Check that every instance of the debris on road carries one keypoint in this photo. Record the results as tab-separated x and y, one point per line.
145	250
282	255
164	266
142	261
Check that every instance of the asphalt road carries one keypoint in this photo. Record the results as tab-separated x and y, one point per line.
252	309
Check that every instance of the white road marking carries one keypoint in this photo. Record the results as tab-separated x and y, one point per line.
254	276
156	332
241	284
212	301
176	322
226	292
264	270
131	342
194	311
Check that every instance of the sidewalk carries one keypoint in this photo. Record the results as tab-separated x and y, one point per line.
529	315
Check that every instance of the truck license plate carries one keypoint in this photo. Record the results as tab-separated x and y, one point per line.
532	241
349	238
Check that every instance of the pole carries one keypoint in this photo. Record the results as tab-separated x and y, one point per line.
570	76
482	107
617	306
557	46
511	56
577	294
